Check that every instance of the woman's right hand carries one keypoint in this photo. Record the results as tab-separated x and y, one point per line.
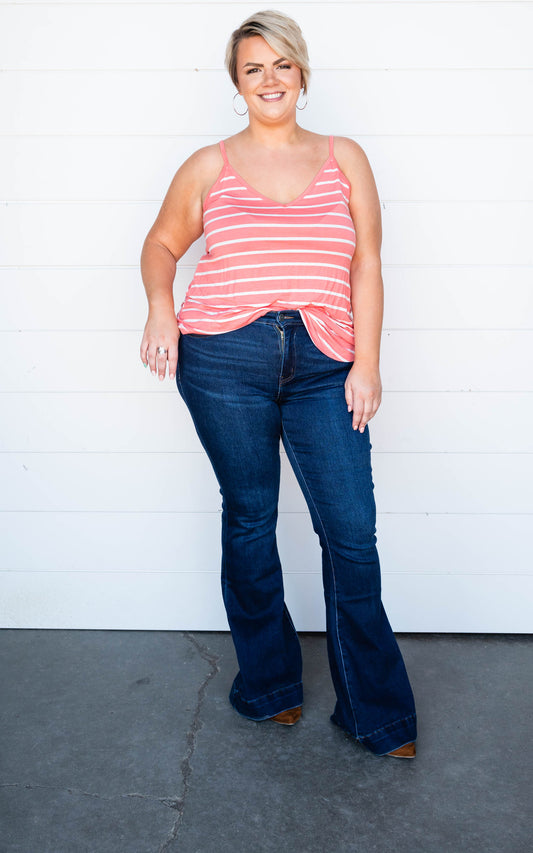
161	330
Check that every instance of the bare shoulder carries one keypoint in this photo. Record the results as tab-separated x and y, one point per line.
179	221
200	171
205	159
351	158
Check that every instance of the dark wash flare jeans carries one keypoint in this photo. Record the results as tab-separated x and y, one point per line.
245	389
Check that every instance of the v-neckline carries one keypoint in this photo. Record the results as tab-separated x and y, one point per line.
272	200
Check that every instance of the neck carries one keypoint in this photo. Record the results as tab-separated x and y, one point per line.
275	135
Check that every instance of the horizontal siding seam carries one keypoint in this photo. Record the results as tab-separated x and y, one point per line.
102	134
191	266
216	573
158	390
218	69
18	202
386	329
202	453
218	512
320	3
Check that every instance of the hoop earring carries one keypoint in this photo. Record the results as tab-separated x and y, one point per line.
304	106
234	107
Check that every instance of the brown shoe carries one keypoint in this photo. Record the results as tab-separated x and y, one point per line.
406	751
288	718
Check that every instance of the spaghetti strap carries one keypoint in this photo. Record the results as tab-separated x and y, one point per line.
263	240
331	146
223	152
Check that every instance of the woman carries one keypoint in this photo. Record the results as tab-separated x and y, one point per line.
266	351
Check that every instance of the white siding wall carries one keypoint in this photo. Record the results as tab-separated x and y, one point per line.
109	512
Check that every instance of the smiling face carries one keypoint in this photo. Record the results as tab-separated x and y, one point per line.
269	83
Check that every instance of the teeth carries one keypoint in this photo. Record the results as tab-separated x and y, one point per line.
272	97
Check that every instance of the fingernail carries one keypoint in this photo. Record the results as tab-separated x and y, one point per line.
161	378
153	372
145	365
171	376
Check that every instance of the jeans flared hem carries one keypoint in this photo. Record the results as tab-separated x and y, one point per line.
389	737
267	706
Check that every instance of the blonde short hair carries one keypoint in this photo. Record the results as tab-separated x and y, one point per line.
280	32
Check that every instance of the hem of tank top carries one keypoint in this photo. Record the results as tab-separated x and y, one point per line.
301	311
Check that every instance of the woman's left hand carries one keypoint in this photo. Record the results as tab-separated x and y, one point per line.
362	390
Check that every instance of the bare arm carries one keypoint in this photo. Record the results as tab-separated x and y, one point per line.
363	385
178	225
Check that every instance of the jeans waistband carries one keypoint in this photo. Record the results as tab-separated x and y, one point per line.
282	317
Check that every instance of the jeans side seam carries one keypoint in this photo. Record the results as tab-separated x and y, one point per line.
333	576
223	567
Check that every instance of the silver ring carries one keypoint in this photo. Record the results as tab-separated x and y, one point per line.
161	351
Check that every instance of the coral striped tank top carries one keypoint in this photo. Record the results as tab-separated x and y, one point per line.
264	256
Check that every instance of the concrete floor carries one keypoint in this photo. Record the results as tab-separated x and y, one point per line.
124	742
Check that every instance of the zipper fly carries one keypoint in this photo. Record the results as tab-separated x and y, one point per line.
287	355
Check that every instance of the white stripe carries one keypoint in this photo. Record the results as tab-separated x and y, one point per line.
281	303
320	322
321	338
333	293
213	294
311	305
282	240
227	190
206	259
225	216
256	208
325	343
286	264
317	332
340	214
282	225
197	306
217	318
319	195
